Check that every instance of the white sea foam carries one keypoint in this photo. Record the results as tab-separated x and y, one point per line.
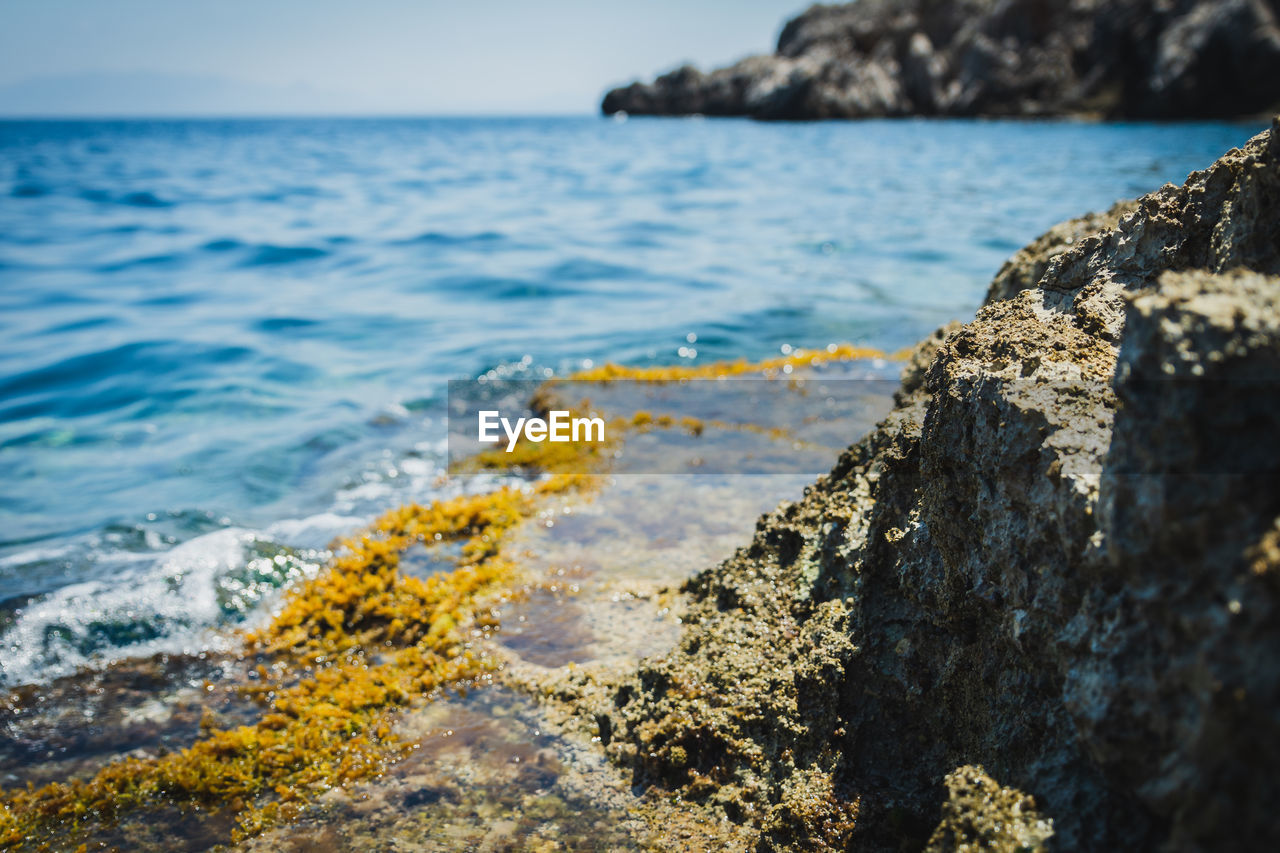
161	606
315	531
182	600
35	555
189	598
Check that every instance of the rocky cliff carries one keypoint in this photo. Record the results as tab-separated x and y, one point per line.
1054	567
1119	58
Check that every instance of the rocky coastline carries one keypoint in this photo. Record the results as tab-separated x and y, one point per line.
1033	609
1151	59
1036	608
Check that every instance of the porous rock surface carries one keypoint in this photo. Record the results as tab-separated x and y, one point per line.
980	814
1058	559
1135	58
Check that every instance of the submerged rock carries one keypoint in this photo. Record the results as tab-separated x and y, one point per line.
1057	559
1134	58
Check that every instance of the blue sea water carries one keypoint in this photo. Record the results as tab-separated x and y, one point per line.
223	342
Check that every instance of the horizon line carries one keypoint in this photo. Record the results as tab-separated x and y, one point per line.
252	116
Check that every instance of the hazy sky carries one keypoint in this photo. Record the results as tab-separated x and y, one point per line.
376	56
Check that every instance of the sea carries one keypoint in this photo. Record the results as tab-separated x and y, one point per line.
225	342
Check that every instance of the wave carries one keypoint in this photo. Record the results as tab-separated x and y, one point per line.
269	255
30	191
160	260
284	324
440	238
176	602
225	244
588	270
97	322
147	596
502	289
143	198
158	374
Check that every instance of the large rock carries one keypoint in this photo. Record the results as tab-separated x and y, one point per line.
1058	558
1130	58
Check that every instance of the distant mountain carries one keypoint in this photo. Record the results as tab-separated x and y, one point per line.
145	93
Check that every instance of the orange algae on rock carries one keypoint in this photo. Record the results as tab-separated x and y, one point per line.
346	649
714	370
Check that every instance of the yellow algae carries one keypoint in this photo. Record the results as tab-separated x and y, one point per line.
644	420
347	648
713	370
647	420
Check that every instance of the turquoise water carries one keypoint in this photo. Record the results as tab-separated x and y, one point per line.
223	342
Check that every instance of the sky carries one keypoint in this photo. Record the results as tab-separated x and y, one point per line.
391	57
